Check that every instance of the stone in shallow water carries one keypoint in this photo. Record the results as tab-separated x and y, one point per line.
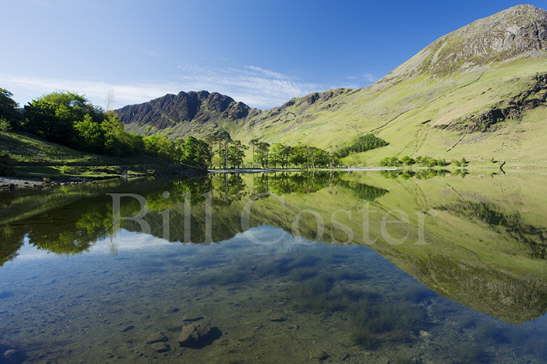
321	356
160	347
156	338
12	356
198	335
192	319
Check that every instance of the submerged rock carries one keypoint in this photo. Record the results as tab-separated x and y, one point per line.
156	337
187	320
321	356
12	356
278	319
198	335
160	347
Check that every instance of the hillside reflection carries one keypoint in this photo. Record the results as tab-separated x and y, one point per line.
478	240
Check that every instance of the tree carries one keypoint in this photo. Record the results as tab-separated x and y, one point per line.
116	140
161	146
8	109
407	160
279	155
236	153
299	155
261	154
53	116
89	135
194	152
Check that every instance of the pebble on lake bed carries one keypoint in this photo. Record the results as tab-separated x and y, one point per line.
198	335
12	356
160	347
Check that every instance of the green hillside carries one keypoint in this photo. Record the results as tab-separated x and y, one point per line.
479	92
420	116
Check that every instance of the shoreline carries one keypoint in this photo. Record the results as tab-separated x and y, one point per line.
274	170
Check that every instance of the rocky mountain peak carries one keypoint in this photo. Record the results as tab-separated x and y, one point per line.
519	31
168	110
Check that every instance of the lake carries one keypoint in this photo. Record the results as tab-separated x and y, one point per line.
333	267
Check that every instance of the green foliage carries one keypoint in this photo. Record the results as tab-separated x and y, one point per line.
408	161
189	152
279	155
8	110
391	162
89	134
236	153
363	191
421	174
4	124
362	144
53	116
70	119
64	169
424	161
462	163
300	156
261	152
194	152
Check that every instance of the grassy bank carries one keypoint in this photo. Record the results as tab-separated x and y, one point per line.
35	158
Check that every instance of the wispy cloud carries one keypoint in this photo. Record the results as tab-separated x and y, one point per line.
254	85
366	78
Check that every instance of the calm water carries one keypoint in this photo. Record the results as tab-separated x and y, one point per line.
293	268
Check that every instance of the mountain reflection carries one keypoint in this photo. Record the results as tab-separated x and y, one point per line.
468	239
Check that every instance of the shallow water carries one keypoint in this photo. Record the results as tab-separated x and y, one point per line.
349	267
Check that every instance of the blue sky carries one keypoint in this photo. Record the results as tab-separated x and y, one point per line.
262	52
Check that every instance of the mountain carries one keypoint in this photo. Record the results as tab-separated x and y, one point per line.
478	92
188	113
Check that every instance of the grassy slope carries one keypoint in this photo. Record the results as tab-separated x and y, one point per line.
396	113
39	158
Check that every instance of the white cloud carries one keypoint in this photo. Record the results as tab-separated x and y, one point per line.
252	85
368	78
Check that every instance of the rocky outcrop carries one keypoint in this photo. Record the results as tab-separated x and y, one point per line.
513	109
516	32
169	110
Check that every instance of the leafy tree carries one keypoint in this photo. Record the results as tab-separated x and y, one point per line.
194	152
236	153
160	145
299	155
5	125
116	140
8	109
279	155
407	160
53	116
391	162
89	135
261	154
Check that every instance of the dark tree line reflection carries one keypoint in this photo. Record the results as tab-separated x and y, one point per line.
76	226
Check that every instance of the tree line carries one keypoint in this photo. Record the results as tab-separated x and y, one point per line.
231	154
70	119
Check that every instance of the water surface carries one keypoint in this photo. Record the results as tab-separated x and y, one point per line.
302	267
